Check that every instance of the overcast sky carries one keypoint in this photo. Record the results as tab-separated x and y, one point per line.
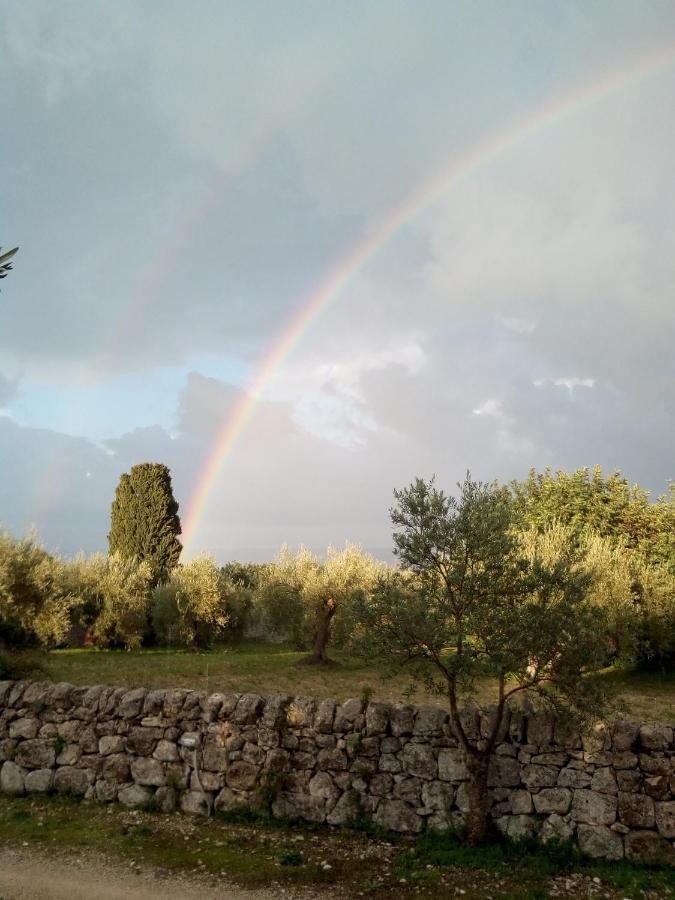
181	178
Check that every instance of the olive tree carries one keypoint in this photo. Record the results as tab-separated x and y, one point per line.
474	604
302	594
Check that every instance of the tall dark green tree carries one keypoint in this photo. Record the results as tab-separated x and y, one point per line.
144	518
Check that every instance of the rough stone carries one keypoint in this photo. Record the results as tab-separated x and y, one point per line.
134	795
599	841
25	728
241	776
11	779
539	776
39	781
573	778
452	765
396	815
665	818
521	803
636	810
437	795
377	718
504	771
105	790
402	719
194	803
166	751
592	808
348	715
111	743
656	736
540	729
517	827
69	780
648	847
321	787
419	759
131	703
553	800
116	767
332	760
604	781
148	772
36	754
555	828
248	709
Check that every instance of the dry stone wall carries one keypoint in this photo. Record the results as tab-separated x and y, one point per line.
612	791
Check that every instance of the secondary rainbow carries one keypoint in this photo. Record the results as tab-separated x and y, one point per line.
349	267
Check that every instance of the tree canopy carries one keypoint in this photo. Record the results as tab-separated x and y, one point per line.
475	601
144	519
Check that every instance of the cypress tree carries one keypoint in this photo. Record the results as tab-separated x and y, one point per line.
144	518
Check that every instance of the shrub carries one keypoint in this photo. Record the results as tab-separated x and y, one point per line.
34	601
188	608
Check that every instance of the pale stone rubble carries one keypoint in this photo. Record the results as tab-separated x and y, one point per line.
612	791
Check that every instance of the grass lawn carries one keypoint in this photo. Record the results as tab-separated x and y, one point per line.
338	862
264	668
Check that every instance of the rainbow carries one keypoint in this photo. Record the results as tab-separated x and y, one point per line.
353	263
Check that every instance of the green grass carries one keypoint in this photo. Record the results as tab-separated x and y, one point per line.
263	667
284	854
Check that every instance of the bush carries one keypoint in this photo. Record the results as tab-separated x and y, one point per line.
188	609
34	601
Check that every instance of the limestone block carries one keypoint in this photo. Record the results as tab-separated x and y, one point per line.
517	827
36	754
105	790
228	799
348	716
420	760
437	795
657	786
173	703
653	764
278	760
555	828
148	772
599	842
331	760
131	703
521	803
143	740
656	736
7	749
429	721
153	704
504	771
625	734
11	779
248	709
116	767
206	781
274	711
402	719
301	807
592	808
323	717
111	743
377	718
215	756
540	729
636	810
390	745
134	795
553	800
409	790
69	780
604	781
629	781
39	781
321	787
452	765
166	751
535	777
69	730
650	848
624	759
665	818
301	712
396	815
573	778
241	776
26	728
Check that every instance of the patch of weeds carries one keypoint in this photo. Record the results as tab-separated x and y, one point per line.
291	858
366	694
269	788
58	745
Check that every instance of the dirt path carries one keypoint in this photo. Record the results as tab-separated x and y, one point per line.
32	875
